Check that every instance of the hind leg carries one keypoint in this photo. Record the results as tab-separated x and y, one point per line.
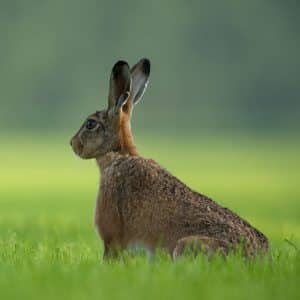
196	244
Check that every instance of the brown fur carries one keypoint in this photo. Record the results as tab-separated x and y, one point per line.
126	138
139	202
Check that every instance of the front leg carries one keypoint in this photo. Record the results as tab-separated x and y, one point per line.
109	226
111	251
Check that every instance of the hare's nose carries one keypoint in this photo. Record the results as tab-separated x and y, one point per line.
71	142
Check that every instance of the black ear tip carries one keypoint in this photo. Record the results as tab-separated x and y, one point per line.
120	65
146	65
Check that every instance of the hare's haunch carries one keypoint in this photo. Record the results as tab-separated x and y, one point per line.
139	202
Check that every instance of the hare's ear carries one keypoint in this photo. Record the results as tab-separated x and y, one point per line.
119	85
140	73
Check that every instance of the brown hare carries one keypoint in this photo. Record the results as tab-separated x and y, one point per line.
139	202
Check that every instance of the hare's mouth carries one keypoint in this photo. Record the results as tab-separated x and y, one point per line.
77	147
79	150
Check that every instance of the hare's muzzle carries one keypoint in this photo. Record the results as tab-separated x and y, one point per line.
76	145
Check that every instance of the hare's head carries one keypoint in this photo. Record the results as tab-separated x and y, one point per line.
109	130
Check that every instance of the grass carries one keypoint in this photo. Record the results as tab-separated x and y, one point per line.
49	248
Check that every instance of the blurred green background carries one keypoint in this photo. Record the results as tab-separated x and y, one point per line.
215	64
221	112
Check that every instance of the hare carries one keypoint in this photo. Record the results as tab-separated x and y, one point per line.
139	202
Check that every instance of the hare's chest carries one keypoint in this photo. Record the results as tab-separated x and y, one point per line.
107	215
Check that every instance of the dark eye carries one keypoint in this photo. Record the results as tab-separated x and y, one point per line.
91	123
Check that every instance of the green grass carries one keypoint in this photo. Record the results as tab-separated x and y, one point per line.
50	250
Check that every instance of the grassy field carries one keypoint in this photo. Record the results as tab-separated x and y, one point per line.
49	248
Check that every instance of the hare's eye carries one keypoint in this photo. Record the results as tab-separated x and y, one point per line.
91	123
